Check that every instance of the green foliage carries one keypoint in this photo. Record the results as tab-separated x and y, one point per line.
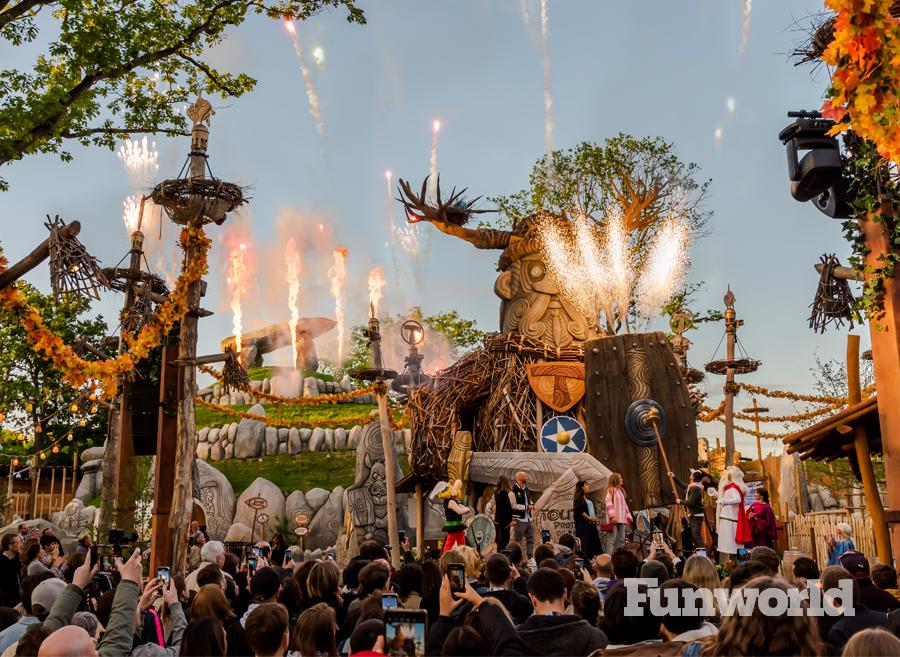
876	197
29	380
683	299
210	418
115	68
302	471
595	178
460	333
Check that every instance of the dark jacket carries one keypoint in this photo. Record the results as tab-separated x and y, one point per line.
492	624
517	605
693	500
9	580
502	508
847	626
560	635
875	598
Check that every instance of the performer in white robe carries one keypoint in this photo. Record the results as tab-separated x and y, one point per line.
729	507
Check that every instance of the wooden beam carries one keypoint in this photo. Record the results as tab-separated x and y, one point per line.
845	273
36	257
161	536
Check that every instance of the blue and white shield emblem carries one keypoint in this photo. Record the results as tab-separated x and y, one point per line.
561	434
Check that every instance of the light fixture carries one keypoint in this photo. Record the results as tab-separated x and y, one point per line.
43	456
74	407
14	462
69	436
38	428
83	423
94	408
55	449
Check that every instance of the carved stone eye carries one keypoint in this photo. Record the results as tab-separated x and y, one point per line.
536	271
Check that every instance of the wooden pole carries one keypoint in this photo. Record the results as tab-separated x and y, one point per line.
74	471
861	443
36	257
63	494
730	339
10	511
387	443
52	488
420	521
167	433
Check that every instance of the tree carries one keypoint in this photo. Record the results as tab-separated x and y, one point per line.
31	389
116	68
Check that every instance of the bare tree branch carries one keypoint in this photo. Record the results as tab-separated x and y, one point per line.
68	134
210	74
17	11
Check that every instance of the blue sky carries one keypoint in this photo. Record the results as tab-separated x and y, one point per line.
646	68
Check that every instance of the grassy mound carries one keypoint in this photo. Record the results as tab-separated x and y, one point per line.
303	471
212	418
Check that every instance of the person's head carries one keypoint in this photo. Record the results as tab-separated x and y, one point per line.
301	576
503	484
653	569
86	620
746	571
266	630
614	481
265	585
549	562
763	633
766	555
833	576
8	616
603	566
884	576
678	594
23	529
366	634
44	595
86	540
581	490
844	530
547	591
696	476
373	577
213	552
49	542
11	543
74	560
195	526
806	568
68	641
516	556
464	640
624	627
568	540
211	574
586	601
497	570
542	552
350	573
30	643
521	478
31	550
372	550
473	561
701	572
625	564
231	564
204	636
211	602
409	580
199	539
431	577
323	580
315	631
761	495
856	563
872	642
290	596
27	586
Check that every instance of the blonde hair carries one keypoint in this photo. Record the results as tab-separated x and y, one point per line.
845	529
450	556
474	562
872	642
614	481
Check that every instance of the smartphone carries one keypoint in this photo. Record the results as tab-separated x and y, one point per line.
329	556
405	632
456	573
255	551
545	536
251	564
389	601
743	554
402	534
700	552
162	574
579	565
107	559
658	540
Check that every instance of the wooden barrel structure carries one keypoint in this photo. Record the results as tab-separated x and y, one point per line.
625	377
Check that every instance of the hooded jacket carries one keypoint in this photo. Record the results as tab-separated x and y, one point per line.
564	634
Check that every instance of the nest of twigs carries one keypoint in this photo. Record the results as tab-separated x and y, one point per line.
739	365
197	201
233	375
820	34
118	278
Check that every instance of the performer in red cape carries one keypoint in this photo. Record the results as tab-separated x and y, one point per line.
454	510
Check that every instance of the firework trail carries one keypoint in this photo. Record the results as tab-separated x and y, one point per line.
337	275
376	288
140	159
745	28
237	282
131	210
314	109
665	268
548	99
432	163
292	274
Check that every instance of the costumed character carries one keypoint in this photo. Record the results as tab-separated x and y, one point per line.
762	520
841	542
731	516
454	510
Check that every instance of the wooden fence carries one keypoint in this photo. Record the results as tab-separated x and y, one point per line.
808	532
47	503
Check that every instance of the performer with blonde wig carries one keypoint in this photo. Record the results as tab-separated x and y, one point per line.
732	525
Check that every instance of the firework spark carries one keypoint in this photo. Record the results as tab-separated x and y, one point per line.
131	210
717	136
314	109
237	283
745	28
376	288
407	234
318	56
665	268
548	98
337	275
432	164
140	159
292	274
731	105
620	267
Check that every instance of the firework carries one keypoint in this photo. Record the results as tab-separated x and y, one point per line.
548	99
131	211
731	105
665	268
237	283
745	28
620	267
717	136
407	234
318	56
337	275
376	288
292	274
314	109
432	166
140	159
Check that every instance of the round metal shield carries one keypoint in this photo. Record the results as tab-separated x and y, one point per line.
481	531
638	425
682	320
412	332
562	433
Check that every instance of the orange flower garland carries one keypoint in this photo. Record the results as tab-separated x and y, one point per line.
75	370
864	86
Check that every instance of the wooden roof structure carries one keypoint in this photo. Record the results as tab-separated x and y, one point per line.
833	437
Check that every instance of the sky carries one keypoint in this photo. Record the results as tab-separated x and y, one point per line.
644	68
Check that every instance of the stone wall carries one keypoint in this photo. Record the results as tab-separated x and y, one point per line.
286	386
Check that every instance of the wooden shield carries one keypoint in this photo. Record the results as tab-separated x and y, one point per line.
559	385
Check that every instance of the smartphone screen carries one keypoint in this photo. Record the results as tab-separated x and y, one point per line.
251	564
107	559
579	564
162	574
402	535
255	551
456	573
389	601
545	536
405	632
700	552
329	556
